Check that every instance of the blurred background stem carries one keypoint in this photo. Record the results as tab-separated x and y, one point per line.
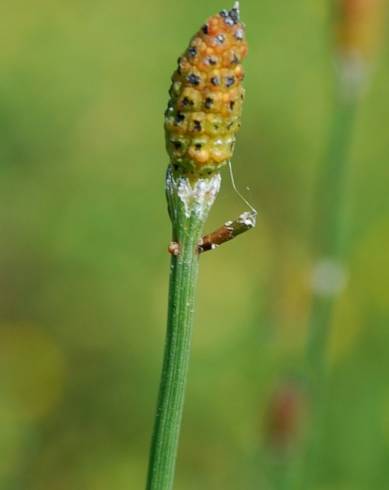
356	28
328	269
329	234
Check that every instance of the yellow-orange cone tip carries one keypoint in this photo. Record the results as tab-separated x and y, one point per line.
206	95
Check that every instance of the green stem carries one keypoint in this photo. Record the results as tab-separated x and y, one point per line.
329	246
332	183
329	229
188	212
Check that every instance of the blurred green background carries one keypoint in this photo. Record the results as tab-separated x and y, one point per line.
84	263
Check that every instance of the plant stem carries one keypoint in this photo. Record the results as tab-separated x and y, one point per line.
183	278
329	250
328	243
329	227
189	204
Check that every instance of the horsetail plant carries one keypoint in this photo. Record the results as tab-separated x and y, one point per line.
357	28
201	122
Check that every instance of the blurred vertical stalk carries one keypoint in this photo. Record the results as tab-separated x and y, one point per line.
328	240
356	33
329	273
189	204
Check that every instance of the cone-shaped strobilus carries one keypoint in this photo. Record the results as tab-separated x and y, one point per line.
204	110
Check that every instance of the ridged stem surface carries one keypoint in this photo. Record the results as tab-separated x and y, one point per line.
188	221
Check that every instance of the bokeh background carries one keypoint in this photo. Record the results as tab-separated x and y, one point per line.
84	264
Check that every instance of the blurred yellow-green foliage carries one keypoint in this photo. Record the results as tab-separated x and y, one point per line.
83	262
